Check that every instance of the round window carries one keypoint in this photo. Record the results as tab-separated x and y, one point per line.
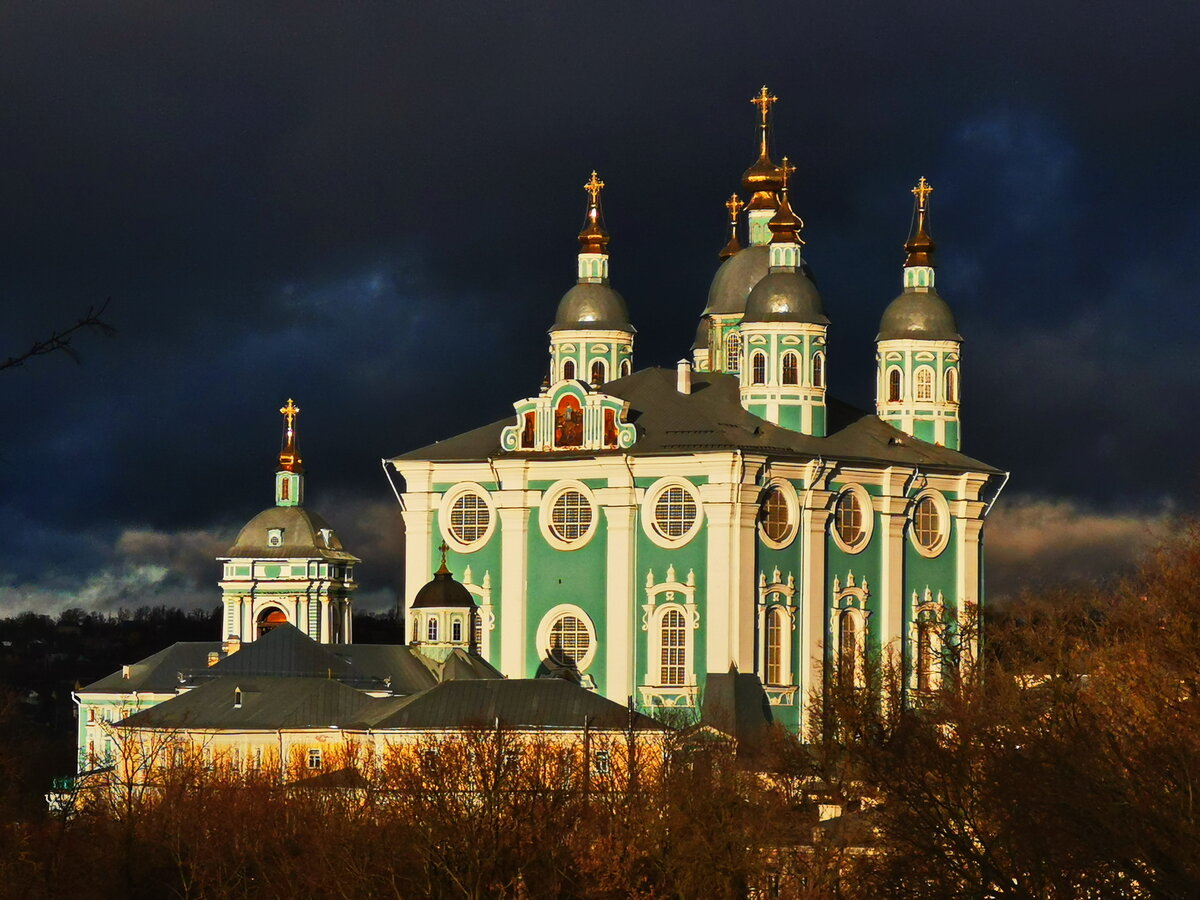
775	516
927	523
674	513
848	518
469	518
570	640
571	516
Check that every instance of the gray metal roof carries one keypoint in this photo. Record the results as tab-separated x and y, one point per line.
712	419
592	305
785	296
267	702
159	673
735	278
736	704
918	315
302	536
516	703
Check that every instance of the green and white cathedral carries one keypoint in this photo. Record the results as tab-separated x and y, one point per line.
650	527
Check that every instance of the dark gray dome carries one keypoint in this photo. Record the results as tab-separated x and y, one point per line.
443	591
305	535
702	334
785	296
734	280
918	316
592	305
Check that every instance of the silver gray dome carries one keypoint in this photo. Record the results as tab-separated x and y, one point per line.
785	296
734	280
592	305
918	316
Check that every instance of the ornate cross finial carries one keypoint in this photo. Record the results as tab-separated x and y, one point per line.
734	204
289	412
786	171
593	187
763	101
922	192
444	548
289	456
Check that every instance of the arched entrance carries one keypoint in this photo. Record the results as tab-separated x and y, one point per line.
271	617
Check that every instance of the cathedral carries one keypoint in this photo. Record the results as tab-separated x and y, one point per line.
650	528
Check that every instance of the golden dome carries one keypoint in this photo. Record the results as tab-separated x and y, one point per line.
763	178
785	225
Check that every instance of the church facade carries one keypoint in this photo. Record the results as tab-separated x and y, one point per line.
647	528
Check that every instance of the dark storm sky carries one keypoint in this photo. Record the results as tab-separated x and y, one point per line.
371	207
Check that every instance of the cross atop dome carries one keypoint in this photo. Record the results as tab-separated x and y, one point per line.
920	245
735	205
593	239
922	192
764	100
289	456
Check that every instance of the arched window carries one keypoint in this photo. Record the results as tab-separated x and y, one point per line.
847	648
569	369
924	656
456	631
895	386
758	368
624	367
775	645
733	353
599	372
431	629
672	636
924	383
791	368
952	385
818	369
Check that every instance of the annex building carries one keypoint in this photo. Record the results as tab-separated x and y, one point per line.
649	527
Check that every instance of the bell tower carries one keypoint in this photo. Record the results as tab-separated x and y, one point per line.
591	339
919	349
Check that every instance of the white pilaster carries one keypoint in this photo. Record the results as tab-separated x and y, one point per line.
620	600
514	566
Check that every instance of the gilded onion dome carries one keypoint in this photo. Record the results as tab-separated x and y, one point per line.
763	179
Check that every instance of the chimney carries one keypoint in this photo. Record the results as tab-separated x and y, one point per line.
124	671
233	645
683	376
213	658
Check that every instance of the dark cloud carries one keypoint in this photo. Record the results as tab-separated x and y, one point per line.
372	208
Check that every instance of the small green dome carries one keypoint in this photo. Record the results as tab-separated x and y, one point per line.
734	280
592	305
918	316
785	296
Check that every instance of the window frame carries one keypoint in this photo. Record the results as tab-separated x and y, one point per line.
894	377
552	617
603	366
658	648
792	357
792	501
649	511
568	376
446	516
758	368
866	505
733	352
927	371
818	369
546	511
946	524
950	384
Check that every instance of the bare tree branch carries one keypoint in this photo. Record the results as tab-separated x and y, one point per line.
92	320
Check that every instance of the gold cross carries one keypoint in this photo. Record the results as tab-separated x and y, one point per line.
290	412
922	191
763	101
734	204
593	187
786	170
